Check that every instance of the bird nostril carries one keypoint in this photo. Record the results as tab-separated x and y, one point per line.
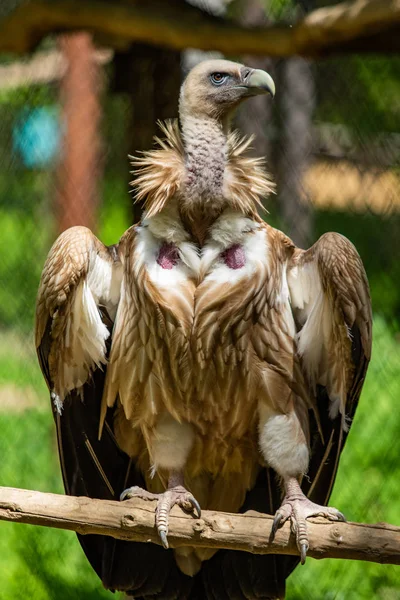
246	74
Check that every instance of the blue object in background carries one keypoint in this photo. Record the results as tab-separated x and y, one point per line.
36	136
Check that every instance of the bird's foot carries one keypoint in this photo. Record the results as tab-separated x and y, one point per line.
165	501
176	495
298	508
138	492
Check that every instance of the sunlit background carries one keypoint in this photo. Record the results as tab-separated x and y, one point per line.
70	113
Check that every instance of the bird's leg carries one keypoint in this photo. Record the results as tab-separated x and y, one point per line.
176	493
297	507
283	442
170	443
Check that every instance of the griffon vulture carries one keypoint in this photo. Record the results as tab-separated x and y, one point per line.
205	360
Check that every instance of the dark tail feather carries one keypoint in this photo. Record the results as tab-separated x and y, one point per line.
236	575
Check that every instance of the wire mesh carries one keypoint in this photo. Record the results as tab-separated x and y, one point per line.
331	140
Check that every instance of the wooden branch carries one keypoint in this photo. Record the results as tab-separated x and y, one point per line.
134	520
180	26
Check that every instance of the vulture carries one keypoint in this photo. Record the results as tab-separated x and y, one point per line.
204	360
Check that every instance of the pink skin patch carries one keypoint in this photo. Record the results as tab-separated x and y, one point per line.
168	256
234	257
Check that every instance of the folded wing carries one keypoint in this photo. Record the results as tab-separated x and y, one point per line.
80	280
331	304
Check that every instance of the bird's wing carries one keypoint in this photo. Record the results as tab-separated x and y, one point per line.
78	297
81	278
331	305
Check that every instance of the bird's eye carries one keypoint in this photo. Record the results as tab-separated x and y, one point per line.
218	78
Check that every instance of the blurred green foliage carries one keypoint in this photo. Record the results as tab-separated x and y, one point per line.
24	242
359	92
39	562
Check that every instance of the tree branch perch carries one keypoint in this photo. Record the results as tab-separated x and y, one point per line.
358	25
134	520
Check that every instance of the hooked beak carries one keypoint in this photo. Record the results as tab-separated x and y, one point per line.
259	82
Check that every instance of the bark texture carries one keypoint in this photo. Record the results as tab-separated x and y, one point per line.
134	520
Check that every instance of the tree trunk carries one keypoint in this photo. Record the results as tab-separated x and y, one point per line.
296	101
152	77
296	104
80	165
255	117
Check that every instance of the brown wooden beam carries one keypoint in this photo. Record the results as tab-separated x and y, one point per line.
80	167
171	24
134	520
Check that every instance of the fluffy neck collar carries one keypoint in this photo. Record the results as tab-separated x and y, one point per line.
168	173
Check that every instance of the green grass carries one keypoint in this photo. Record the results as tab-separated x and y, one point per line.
18	363
45	564
367	487
36	562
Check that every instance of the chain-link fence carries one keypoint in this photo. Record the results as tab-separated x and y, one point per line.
69	116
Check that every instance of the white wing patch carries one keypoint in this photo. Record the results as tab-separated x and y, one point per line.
104	281
85	333
317	339
85	340
308	298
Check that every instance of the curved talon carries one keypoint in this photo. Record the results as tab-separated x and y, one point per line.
164	539
195	506
130	492
137	492
276	524
303	552
298	508
177	495
124	495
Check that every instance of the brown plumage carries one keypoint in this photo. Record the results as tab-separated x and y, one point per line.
235	361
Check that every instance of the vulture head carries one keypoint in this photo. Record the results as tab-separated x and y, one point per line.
200	163
214	88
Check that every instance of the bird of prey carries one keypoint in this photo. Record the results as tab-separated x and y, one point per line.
204	360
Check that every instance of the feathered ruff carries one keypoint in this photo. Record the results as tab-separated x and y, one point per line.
160	173
246	178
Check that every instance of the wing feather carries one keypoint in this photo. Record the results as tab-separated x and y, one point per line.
330	298
331	304
81	276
